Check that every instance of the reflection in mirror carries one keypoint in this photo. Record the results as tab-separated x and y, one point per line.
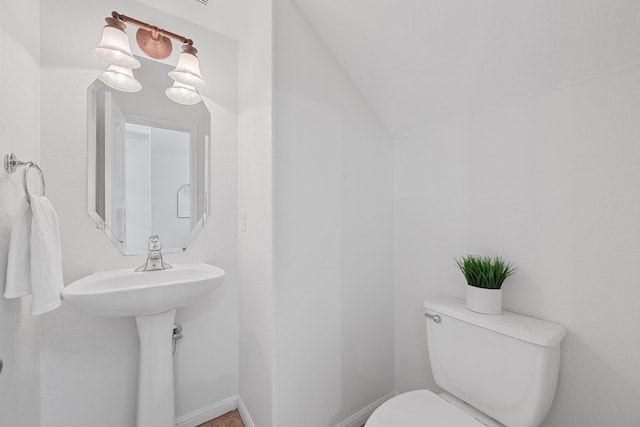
184	201
148	163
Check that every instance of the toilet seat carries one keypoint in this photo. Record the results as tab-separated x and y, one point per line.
420	408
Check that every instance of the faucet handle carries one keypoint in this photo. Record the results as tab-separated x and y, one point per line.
154	243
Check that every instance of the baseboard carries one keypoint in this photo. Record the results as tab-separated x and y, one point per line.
207	413
244	414
360	417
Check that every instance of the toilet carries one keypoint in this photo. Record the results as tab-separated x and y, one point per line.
495	370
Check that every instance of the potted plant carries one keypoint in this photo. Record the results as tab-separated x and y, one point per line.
485	276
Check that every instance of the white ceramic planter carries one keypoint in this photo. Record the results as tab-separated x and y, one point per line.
484	301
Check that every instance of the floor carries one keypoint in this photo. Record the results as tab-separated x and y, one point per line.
230	419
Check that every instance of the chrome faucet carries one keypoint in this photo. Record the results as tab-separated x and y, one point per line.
154	259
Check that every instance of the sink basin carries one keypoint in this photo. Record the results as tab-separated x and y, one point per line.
130	293
152	297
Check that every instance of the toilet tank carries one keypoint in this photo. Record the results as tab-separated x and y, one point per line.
504	365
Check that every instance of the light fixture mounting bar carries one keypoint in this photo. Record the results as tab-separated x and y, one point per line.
152	40
152	28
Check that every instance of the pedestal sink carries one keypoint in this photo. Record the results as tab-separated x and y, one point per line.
152	297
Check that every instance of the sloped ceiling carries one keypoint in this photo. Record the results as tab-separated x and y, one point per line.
422	62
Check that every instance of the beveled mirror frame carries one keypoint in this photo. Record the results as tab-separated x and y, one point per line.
150	107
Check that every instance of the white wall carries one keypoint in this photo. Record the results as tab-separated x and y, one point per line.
551	183
19	133
333	240
257	309
89	364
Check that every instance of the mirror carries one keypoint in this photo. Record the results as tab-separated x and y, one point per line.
148	163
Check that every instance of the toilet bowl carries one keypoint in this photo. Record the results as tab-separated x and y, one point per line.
424	408
496	370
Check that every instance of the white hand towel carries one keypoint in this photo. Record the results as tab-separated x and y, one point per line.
18	277
5	237
46	257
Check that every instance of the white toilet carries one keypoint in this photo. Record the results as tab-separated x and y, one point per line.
496	370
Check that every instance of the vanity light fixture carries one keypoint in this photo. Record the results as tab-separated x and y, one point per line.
115	49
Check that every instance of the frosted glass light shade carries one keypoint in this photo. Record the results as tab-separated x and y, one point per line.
183	94
120	78
187	70
115	49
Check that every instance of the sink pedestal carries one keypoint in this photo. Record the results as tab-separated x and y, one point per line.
156	405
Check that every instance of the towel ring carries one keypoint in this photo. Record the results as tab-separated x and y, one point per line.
11	162
24	179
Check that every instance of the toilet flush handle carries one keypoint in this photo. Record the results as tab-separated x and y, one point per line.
433	317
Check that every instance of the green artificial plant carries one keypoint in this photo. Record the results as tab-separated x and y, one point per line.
485	272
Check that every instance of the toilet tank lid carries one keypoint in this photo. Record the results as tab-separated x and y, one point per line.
524	328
